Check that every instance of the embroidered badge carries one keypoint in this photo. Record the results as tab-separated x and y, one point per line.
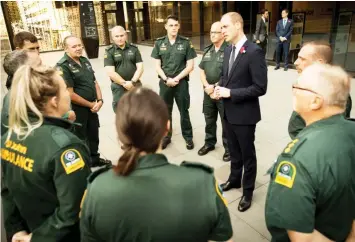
285	174
71	160
60	70
180	47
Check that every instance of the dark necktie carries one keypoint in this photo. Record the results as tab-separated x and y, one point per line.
231	60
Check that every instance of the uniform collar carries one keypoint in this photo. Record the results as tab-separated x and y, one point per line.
324	122
178	39
71	61
126	46
151	160
221	49
49	120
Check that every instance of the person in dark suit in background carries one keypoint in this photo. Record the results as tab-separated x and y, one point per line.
261	32
284	29
243	81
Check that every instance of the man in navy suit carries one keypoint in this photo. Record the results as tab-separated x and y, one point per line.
284	29
243	81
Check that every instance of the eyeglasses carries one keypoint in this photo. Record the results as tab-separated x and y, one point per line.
304	89
215	32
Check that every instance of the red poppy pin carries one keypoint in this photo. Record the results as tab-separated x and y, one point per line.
242	50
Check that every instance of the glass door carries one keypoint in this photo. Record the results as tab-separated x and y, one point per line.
350	55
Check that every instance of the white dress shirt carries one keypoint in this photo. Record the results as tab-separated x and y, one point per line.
238	46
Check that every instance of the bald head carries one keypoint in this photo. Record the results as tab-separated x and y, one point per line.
119	36
331	82
232	27
216	33
234	17
313	52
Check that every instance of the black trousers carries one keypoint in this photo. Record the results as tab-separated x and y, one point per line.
282	47
242	151
89	130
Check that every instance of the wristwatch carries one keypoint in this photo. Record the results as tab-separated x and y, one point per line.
98	100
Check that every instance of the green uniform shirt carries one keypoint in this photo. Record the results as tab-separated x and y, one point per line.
80	78
312	182
296	122
124	60
157	202
43	181
212	63
173	57
5	113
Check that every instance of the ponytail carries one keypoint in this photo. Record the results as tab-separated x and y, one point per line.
29	94
127	162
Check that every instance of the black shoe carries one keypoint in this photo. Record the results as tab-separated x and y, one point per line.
205	149
228	185
277	67
226	156
286	68
166	141
101	162
190	145
244	204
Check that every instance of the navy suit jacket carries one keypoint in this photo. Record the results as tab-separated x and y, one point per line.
247	82
284	32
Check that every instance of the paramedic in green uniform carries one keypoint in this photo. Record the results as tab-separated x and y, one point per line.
174	55
145	198
312	52
12	61
85	93
311	192
211	70
123	64
44	166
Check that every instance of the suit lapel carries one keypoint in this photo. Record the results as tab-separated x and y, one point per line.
239	57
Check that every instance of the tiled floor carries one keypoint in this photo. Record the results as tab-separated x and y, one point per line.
271	135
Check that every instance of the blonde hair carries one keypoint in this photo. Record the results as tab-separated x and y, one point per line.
30	92
332	82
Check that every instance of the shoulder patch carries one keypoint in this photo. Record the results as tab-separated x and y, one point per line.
60	70
285	174
292	147
71	160
197	165
96	173
219	192
109	47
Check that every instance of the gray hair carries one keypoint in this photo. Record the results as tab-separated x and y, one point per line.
332	82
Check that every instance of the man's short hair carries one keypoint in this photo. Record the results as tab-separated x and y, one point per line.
173	17
332	82
322	50
66	38
14	60
235	17
21	37
286	10
263	11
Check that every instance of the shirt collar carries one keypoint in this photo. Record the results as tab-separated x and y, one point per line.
240	43
151	160
327	121
70	60
263	19
221	48
125	47
49	120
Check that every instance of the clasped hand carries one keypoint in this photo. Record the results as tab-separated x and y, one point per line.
219	92
172	82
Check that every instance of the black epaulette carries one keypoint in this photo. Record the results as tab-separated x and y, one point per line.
61	61
184	38
96	173
160	38
197	165
133	45
293	146
207	48
109	47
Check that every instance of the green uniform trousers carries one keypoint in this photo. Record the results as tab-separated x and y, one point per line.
182	98
211	108
117	93
89	129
